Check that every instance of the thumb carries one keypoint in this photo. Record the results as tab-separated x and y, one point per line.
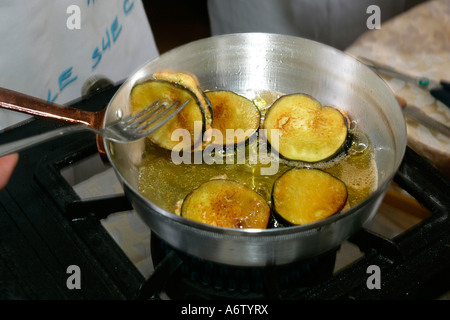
7	165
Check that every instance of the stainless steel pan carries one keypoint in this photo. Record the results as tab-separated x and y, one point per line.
251	62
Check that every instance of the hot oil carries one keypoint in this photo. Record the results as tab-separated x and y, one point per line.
166	183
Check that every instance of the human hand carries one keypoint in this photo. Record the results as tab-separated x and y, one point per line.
7	166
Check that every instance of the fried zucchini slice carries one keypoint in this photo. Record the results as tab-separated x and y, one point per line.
226	203
236	113
307	131
143	94
302	196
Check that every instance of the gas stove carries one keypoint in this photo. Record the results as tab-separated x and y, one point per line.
69	233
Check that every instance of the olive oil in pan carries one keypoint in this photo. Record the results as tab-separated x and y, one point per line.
166	183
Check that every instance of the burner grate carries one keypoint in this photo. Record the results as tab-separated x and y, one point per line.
194	278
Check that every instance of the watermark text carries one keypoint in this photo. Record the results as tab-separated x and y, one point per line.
257	151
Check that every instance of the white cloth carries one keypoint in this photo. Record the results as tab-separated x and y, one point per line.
334	22
44	54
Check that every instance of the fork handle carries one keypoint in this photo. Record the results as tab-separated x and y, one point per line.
20	102
25	143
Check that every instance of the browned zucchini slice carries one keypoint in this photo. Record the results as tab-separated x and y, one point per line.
308	131
235	112
302	196
143	94
226	203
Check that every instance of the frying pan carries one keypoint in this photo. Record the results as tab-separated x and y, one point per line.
252	62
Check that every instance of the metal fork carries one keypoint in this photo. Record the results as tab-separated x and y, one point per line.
143	123
124	130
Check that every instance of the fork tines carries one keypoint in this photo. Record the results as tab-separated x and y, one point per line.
152	117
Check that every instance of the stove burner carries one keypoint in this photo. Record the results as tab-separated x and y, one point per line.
194	278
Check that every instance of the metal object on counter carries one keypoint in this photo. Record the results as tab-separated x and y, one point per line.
439	90
423	82
420	116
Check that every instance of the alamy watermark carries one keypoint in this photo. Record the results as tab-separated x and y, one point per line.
257	151
74	280
73	22
374	20
373	280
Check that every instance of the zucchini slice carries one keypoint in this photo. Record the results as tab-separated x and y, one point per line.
302	196
308	131
235	112
226	203
147	92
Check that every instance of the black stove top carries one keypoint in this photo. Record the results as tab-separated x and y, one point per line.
46	230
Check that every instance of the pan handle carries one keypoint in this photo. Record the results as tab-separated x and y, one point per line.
20	102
